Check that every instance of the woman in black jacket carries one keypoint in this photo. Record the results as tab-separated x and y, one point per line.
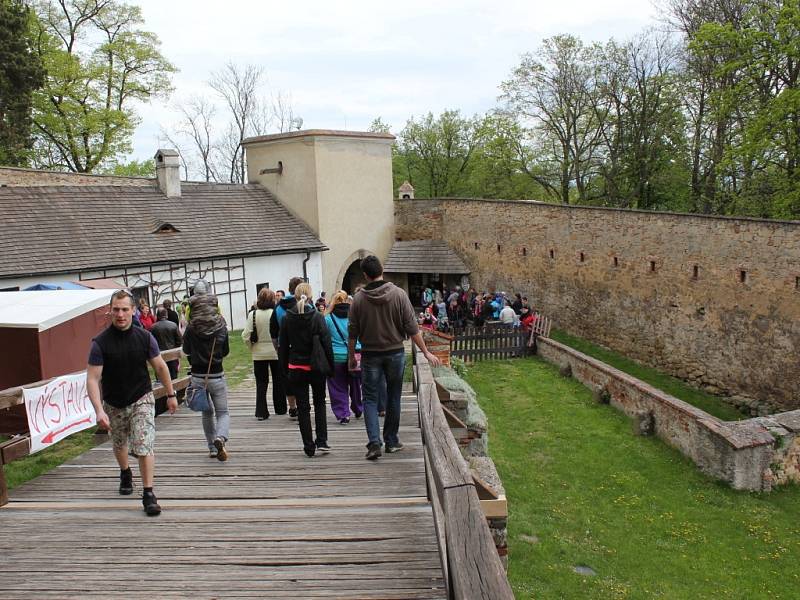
298	329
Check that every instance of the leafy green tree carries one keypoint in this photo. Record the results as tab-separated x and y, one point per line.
555	90
21	73
99	62
436	154
134	168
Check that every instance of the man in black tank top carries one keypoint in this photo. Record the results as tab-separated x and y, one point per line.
118	366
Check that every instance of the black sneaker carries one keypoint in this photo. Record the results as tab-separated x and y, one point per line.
396	448
323	447
310	451
373	451
344	421
150	504
126	482
293	414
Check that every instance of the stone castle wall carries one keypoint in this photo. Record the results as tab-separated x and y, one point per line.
12	176
715	301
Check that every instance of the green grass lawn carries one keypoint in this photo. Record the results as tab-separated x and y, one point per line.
584	491
238	366
671	385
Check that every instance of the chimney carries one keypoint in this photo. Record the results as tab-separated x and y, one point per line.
168	174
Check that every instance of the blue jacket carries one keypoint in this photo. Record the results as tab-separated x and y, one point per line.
337	324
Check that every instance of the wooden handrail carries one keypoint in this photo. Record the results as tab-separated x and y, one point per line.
473	567
13	396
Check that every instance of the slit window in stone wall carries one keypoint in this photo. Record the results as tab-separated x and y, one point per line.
582	257
742	276
498	248
552	253
477	245
695	272
797	283
616	262
524	252
652	266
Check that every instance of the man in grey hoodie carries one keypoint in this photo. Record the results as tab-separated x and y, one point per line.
381	318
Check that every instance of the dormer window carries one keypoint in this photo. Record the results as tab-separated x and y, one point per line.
165	227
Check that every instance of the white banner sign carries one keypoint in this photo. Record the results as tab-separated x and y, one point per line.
57	409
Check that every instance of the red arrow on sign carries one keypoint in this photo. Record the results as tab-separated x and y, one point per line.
48	439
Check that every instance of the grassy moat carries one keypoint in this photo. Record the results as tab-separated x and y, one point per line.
583	491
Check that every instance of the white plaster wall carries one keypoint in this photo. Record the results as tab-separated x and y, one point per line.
234	299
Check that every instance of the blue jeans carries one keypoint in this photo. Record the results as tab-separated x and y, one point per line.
382	377
216	421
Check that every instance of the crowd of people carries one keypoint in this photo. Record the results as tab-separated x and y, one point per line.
351	347
445	310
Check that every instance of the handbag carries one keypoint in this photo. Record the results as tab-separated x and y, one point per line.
254	332
319	358
197	397
357	355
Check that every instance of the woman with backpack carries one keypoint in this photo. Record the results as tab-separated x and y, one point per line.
344	386
256	336
206	344
306	357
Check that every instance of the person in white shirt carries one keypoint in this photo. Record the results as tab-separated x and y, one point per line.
507	315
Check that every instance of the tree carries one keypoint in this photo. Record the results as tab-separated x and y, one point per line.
238	88
98	64
436	154
556	91
21	73
134	168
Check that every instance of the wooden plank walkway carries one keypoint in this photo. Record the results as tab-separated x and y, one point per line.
269	523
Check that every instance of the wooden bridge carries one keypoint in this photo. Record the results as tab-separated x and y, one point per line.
269	523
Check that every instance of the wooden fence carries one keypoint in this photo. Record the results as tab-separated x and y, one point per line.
495	340
19	446
470	562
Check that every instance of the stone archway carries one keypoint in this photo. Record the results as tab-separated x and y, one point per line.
350	274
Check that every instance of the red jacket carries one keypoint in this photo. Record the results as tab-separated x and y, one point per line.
147	321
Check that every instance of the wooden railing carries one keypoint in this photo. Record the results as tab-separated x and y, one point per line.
470	562
19	446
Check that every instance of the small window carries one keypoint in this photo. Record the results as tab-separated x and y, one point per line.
261	286
742	276
552	253
582	257
652	266
797	283
477	245
616	262
498	248
695	272
524	252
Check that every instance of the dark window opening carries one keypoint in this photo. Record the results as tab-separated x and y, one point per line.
552	253
797	283
652	266
743	276
406	196
524	252
695	272
261	286
498	247
582	257
616	261
477	245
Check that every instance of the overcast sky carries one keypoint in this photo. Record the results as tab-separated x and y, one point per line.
346	62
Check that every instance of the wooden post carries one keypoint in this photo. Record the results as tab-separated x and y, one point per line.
3	487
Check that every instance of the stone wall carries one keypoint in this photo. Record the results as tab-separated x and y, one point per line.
755	454
715	301
12	176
